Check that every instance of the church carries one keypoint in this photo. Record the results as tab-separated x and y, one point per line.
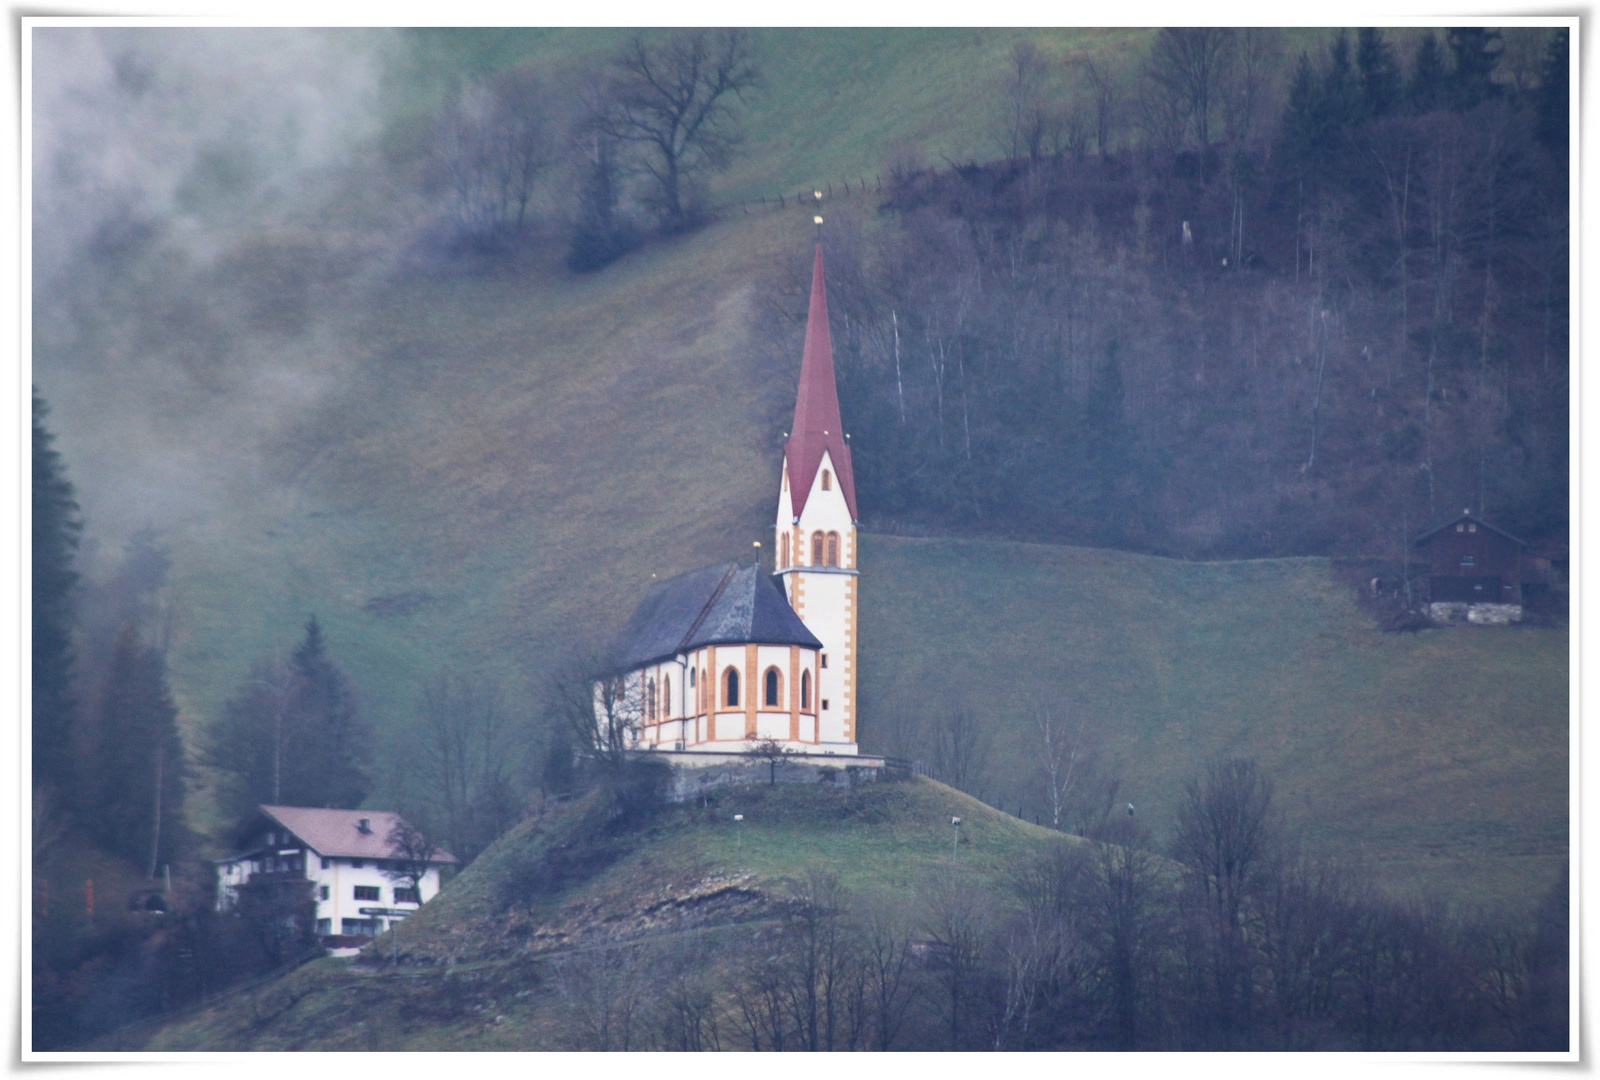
723	657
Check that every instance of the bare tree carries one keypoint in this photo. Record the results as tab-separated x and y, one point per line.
885	948
958	919
412	852
961	745
1104	93
493	147
465	760
1063	755
770	751
1186	66
602	711
673	99
1026	113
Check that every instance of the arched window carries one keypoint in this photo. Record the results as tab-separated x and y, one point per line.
805	690
827	480
816	549
772	688
732	695
691	678
833	549
650	700
783	550
666	696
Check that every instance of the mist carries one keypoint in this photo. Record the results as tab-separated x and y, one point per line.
202	199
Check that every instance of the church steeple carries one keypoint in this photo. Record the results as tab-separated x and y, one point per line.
817	427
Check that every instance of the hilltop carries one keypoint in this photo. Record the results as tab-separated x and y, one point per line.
477	968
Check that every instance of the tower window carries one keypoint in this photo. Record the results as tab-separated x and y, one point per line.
833	549
805	690
732	688
650	700
816	548
824	657
824	704
827	480
772	688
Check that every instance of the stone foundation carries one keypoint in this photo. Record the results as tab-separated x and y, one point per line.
696	772
1456	613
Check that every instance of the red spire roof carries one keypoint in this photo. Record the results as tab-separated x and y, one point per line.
816	408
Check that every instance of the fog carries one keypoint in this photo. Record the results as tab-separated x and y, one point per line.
202	199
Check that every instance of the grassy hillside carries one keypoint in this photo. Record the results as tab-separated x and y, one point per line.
481	944
1440	757
477	471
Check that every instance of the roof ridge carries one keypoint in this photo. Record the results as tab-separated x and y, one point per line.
688	635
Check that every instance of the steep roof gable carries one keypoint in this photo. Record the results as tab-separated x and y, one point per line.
817	426
337	833
1431	533
725	604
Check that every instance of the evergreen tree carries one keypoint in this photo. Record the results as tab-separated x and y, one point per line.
56	527
134	785
1551	98
1426	90
1380	74
1475	51
292	735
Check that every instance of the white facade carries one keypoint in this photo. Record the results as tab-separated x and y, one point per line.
816	561
684	703
341	885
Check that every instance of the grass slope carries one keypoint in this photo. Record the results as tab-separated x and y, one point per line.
1440	756
473	979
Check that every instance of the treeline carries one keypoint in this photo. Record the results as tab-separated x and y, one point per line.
604	155
1231	304
1231	940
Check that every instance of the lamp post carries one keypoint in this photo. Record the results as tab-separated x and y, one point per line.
738	836
955	835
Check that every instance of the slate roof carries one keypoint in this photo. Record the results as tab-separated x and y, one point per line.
1431	533
817	426
337	833
726	604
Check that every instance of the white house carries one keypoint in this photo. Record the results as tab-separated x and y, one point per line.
344	854
725	656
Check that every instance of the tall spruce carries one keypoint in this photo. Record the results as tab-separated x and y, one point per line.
292	735
1380	74
134	783
1475	51
56	529
1425	92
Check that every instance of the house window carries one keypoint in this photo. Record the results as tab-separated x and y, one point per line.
1460	528
833	549
805	690
366	892
827	480
816	548
357	864
324	926
322	893
405	896
772	688
732	694
326	862
350	927
1468	560
1472	528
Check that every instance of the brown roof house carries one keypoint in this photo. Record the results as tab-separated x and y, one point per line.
347	857
1474	572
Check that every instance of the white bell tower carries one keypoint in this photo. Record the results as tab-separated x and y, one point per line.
815	550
